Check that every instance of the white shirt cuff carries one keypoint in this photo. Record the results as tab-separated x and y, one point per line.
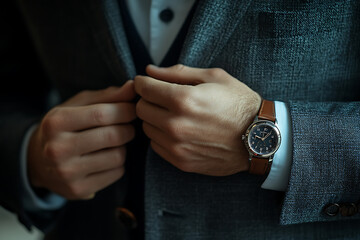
33	203
278	177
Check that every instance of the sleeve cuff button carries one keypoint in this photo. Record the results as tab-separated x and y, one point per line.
348	210
332	209
345	209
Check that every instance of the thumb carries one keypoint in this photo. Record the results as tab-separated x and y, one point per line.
125	93
179	74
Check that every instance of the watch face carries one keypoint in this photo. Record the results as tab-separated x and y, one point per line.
263	138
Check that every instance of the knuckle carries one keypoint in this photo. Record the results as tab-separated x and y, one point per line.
118	135
65	173
53	151
173	128
51	123
178	67
186	166
143	88
119	156
181	158
215	73
179	130
129	132
77	191
121	172
109	136
84	94
176	151
99	115
184	102
139	108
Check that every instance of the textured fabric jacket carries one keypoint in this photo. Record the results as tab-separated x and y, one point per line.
303	52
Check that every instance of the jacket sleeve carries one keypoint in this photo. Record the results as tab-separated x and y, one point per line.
326	162
23	98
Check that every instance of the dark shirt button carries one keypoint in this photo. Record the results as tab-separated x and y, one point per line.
348	210
166	15
127	218
332	209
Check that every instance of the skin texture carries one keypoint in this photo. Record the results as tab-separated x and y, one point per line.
195	117
79	146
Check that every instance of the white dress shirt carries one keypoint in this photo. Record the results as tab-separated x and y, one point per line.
158	36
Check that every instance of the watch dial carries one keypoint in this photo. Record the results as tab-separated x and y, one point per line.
263	139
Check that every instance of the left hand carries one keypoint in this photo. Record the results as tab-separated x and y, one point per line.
195	117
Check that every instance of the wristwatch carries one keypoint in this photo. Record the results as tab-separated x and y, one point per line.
262	139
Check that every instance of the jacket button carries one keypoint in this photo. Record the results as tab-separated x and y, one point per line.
348	210
332	209
126	217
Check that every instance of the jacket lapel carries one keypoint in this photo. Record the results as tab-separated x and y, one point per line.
214	22
107	26
208	33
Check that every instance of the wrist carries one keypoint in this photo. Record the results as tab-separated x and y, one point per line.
248	111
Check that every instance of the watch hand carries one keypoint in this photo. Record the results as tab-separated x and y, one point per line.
266	136
256	136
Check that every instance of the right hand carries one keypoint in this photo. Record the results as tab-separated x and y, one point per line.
79	146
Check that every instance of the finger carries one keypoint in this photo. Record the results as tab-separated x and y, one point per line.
175	148
101	138
102	160
85	117
166	155
156	134
167	147
126	93
98	181
182	74
181	160
159	92
151	113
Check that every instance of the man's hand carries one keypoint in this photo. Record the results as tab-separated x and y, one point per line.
79	146
195	117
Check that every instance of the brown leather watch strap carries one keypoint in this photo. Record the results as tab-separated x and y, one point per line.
267	110
260	166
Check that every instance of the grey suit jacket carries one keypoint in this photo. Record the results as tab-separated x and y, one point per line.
305	53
